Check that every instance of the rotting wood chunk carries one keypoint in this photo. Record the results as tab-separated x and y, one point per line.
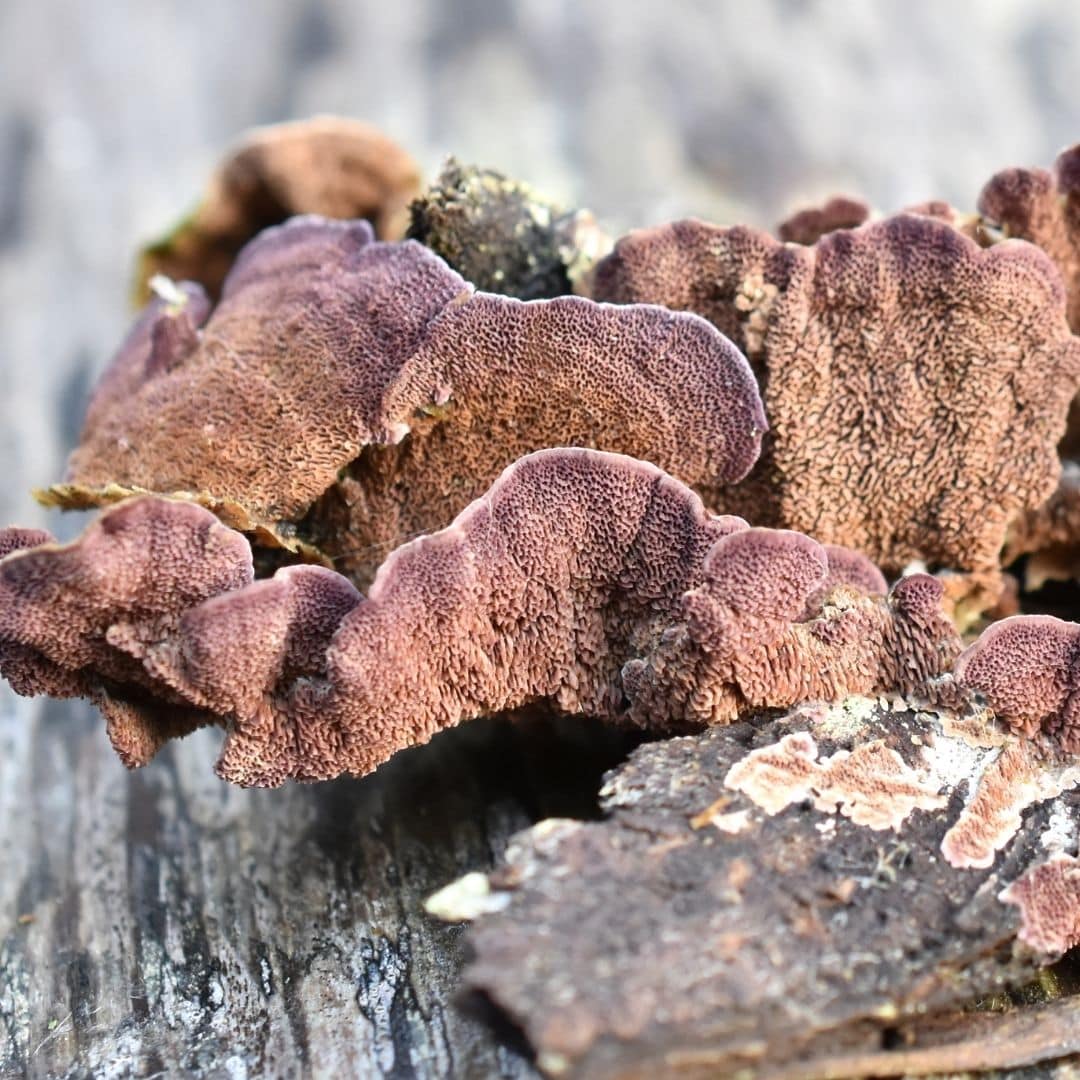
761	896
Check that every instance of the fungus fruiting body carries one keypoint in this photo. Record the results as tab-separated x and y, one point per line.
72	616
1042	206
1028	669
591	581
1048	897
331	166
915	384
356	491
346	395
809	225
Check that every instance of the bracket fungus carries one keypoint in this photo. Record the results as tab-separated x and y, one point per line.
331	166
590	581
915	384
345	395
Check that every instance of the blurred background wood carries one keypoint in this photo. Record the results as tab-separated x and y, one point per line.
160	923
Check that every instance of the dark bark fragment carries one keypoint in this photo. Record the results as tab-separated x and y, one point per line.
503	236
692	931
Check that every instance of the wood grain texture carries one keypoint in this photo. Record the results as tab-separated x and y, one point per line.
166	922
161	923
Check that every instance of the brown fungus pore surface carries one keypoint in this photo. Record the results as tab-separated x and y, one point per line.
811	224
916	385
1028	669
1042	206
331	166
346	395
590	581
74	618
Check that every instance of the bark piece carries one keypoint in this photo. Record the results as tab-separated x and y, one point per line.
652	941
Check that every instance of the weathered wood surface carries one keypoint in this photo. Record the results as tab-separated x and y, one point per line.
160	923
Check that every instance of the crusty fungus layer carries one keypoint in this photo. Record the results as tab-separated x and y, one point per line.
590	581
1048	897
1012	778
331	166
916	384
346	395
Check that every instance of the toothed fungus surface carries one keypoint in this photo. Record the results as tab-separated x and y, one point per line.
1048	897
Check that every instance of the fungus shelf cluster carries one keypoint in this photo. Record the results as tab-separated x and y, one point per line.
755	497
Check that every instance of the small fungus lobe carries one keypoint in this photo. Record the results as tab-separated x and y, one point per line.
1043	207
74	617
1048	896
810	225
327	165
1028	669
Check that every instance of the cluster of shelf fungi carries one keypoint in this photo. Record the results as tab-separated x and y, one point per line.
784	505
